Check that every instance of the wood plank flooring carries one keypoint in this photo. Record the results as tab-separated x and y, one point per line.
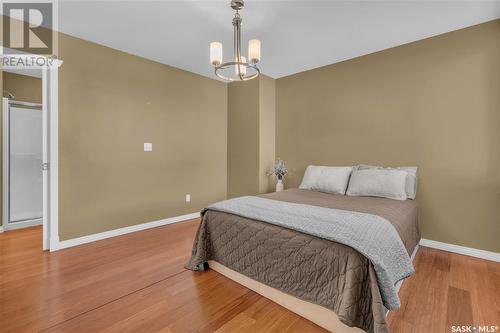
137	283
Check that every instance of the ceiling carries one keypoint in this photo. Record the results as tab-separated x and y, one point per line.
296	35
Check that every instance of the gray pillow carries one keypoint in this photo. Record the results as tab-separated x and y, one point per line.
326	179
384	183
411	178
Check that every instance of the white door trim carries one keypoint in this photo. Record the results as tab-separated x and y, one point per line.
24	224
53	172
5	164
45	161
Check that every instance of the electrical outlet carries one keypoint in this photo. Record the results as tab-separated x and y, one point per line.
188	197
148	146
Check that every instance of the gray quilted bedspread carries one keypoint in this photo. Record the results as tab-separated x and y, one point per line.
371	235
309	267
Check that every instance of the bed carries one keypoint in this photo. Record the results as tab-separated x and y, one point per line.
325	281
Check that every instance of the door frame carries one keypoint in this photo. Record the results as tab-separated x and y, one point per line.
50	147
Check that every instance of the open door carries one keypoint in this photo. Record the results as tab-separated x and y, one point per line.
24	181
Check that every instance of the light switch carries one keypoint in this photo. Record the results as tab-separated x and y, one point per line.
188	197
148	146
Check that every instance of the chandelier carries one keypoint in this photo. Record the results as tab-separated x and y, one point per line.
239	69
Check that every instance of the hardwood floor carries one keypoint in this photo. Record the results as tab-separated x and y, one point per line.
137	283
448	289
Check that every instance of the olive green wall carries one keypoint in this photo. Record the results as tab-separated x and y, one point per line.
110	104
434	103
251	133
243	138
267	132
24	88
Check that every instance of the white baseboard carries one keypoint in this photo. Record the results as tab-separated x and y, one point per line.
1	228
468	251
122	231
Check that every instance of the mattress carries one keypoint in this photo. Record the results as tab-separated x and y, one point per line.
313	269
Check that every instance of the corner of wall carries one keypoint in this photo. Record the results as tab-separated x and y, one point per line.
251	136
267	132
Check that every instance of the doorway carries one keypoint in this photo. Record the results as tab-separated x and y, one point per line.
30	152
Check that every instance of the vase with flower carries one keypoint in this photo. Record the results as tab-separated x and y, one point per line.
279	172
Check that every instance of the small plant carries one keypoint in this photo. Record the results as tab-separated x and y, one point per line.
280	169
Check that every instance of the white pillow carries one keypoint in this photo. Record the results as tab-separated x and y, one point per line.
385	183
411	177
411	181
326	179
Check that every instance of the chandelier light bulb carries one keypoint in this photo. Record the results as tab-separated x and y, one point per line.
215	53
254	50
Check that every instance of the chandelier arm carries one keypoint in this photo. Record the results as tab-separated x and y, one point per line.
243	77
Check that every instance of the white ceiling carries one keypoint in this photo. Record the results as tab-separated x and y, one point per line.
295	35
